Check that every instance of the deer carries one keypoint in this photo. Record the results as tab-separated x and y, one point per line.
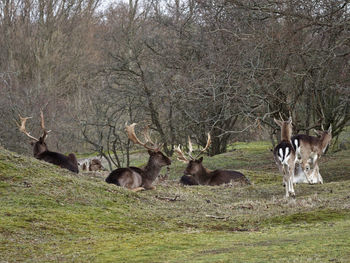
309	149
138	179
91	165
196	174
285	156
40	150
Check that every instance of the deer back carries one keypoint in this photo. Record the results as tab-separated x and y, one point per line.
67	162
311	143
225	176
203	176
130	177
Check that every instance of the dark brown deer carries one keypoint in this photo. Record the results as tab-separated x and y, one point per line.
135	178
188	180
285	156
41	151
309	149
196	174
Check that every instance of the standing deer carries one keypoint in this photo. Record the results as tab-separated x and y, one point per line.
41	151
135	178
195	173
284	155
309	149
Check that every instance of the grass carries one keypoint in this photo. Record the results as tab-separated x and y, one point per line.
48	214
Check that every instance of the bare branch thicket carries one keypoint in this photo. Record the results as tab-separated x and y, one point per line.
186	67
47	47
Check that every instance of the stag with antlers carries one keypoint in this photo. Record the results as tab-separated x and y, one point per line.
196	174
135	178
41	151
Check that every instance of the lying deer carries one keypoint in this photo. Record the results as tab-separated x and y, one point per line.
135	178
91	165
309	149
196	174
41	151
285	156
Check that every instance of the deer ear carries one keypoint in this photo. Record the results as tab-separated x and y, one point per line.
279	123
330	128
200	160
150	152
290	120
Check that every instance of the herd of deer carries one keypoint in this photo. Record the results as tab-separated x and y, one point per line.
296	157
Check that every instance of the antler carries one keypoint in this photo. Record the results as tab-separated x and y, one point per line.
42	123
280	115
147	136
181	155
130	130
206	146
22	127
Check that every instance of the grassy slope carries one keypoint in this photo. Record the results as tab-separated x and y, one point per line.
48	214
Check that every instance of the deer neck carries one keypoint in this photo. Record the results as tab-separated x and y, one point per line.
151	171
286	134
203	175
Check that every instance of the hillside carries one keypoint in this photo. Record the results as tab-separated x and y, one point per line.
51	215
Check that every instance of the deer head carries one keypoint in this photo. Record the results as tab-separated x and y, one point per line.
39	145
156	156
194	167
325	137
186	159
286	128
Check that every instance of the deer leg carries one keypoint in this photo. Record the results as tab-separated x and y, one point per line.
286	180
151	187
138	189
290	178
281	169
319	177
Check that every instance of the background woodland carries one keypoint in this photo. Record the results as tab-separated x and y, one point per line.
185	67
